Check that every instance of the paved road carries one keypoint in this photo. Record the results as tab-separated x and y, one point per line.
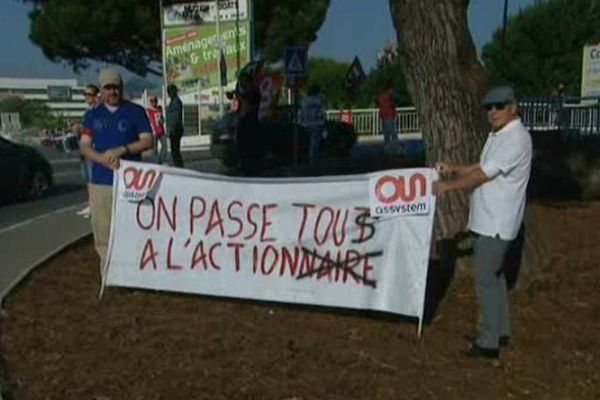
70	190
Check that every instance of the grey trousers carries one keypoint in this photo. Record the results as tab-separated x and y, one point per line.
491	289
161	154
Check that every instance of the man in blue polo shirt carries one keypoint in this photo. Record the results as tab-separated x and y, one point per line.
115	129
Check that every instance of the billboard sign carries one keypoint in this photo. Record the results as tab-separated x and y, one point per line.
590	72
192	54
204	12
192	48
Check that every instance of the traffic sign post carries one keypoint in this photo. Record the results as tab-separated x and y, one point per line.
296	61
296	66
293	82
354	76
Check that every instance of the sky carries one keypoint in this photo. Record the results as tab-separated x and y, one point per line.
338	37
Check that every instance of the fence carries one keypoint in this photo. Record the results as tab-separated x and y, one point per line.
367	121
570	115
573	115
585	120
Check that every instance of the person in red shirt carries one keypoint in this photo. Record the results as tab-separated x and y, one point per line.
155	115
387	113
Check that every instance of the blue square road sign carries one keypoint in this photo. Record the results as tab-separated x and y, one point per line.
296	61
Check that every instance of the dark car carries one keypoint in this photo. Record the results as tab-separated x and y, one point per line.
274	141
24	172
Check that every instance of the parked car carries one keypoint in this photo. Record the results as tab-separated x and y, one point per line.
24	172
275	141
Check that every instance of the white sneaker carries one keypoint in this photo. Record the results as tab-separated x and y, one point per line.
85	213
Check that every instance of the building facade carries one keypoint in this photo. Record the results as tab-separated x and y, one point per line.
64	97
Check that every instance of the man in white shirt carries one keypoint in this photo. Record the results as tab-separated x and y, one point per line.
499	184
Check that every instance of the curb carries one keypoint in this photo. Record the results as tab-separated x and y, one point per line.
6	291
20	276
15	283
74	159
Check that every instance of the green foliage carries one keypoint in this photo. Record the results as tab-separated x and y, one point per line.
287	22
329	75
33	114
124	32
369	92
543	46
127	32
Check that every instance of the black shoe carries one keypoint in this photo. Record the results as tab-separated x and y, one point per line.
477	351
504	341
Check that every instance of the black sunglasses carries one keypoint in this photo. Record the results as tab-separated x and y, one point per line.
497	106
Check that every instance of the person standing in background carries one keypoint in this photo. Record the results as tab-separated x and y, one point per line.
92	99
155	115
175	124
312	118
387	113
247	129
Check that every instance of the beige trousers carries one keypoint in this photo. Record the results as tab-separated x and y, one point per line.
101	212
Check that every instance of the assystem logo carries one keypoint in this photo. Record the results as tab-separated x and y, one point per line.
139	182
400	193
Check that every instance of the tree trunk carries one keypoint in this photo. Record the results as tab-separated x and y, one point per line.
446	83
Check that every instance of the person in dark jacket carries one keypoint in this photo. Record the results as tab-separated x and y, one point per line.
175	124
248	126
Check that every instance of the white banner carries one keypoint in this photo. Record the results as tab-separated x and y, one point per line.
296	240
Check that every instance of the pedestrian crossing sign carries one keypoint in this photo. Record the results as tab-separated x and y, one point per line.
355	75
296	61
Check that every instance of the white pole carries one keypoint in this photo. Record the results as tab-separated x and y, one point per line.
163	38
219	48
199	91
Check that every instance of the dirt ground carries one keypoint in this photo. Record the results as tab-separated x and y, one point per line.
60	342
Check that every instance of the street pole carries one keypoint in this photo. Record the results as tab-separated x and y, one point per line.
504	22
295	119
252	28
220	49
237	35
163	38
199	91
